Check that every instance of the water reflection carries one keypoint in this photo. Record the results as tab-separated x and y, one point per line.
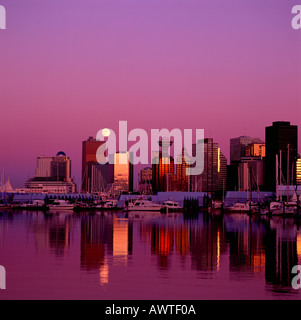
237	246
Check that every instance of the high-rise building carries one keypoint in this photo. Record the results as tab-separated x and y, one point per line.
163	165
123	173
145	180
239	145
89	150
282	140
183	171
214	174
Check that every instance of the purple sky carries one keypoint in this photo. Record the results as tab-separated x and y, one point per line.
69	68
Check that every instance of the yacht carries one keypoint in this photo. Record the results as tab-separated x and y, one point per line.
171	205
61	205
109	204
143	205
239	207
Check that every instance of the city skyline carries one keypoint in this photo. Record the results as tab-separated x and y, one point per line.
229	68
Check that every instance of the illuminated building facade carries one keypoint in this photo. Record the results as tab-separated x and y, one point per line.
163	165
123	173
238	147
298	170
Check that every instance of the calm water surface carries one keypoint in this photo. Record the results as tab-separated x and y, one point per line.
108	255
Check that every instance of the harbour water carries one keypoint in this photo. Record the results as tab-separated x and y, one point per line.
112	255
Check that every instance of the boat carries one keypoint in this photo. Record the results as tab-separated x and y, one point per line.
143	205
34	205
239	208
61	205
109	204
276	209
217	204
170	206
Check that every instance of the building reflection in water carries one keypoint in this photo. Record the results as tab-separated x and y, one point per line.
52	232
281	255
207	243
120	241
102	237
96	242
257	249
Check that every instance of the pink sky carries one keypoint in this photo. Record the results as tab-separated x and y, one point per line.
69	68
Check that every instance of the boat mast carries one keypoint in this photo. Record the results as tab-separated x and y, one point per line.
287	172
277	170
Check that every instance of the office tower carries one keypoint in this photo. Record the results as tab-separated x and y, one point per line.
239	145
123	173
163	165
145	180
282	140
208	181
182	171
89	149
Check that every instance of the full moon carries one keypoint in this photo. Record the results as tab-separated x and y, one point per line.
106	132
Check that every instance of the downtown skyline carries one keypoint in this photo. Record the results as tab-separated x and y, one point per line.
228	68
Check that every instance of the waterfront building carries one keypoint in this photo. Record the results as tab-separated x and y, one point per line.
59	180
282	140
89	160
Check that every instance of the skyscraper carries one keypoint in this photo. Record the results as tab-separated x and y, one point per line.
182	166
89	149
123	173
215	173
163	166
282	140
